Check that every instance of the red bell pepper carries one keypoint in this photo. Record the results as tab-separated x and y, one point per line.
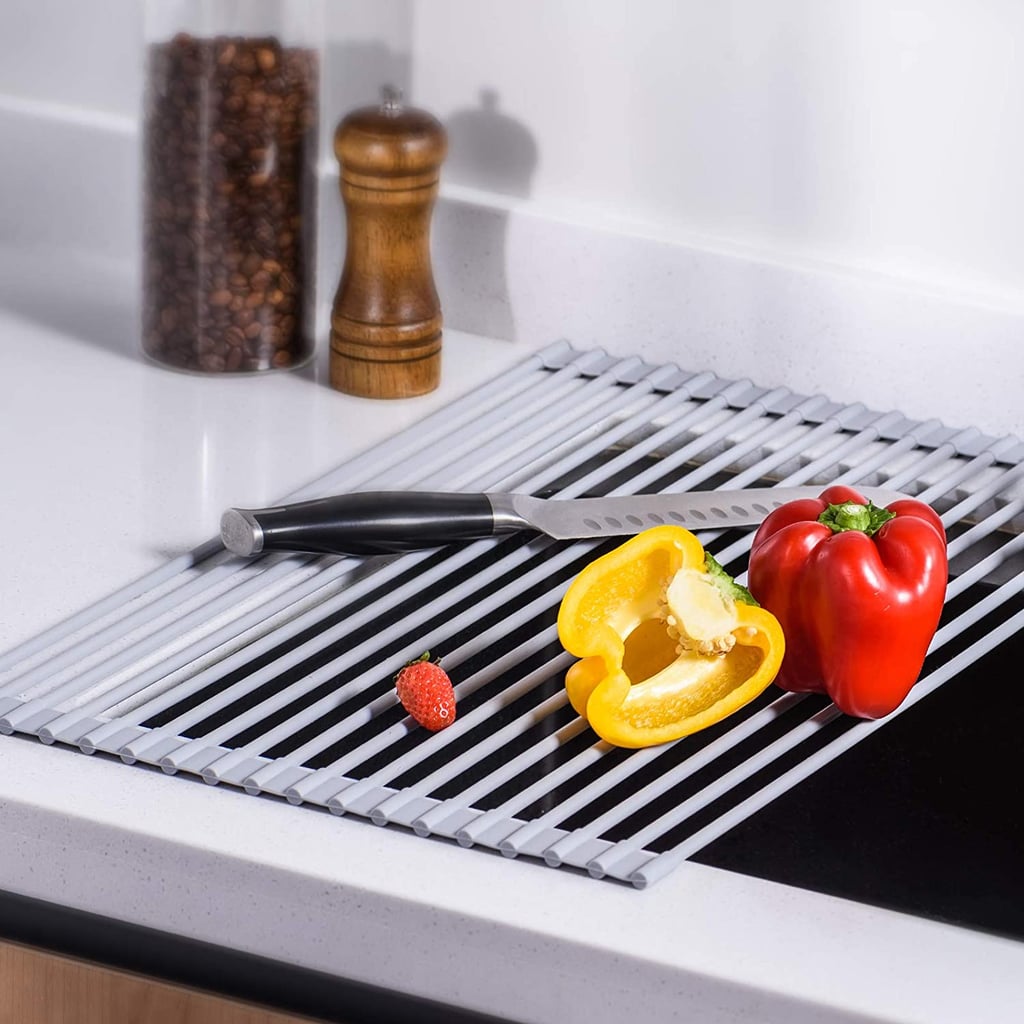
858	590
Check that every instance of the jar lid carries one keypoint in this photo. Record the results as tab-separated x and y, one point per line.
390	140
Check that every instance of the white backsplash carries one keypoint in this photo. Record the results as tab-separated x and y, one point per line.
852	336
825	196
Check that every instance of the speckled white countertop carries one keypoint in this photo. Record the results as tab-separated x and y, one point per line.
113	465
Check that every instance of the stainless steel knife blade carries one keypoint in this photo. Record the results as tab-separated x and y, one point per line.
579	518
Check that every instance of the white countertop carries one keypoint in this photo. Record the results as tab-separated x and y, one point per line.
113	465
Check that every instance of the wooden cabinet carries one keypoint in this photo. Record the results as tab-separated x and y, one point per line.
42	988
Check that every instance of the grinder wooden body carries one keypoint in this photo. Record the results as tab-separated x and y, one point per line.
386	318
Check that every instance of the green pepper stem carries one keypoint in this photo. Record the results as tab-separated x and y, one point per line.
852	515
725	583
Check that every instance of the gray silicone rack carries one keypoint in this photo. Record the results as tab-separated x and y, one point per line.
275	674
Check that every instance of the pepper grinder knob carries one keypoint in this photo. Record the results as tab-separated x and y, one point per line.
386	319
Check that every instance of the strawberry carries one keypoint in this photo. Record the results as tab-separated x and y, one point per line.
426	693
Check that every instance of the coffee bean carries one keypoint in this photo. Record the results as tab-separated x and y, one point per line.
245	61
266	58
229	179
264	234
251	263
212	363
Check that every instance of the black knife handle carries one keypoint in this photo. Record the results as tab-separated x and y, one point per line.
364	523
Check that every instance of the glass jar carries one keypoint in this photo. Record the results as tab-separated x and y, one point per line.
230	146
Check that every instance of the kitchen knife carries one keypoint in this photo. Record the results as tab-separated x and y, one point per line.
378	522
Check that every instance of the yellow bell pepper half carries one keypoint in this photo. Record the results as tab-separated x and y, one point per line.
669	643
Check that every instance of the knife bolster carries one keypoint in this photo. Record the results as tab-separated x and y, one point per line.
511	512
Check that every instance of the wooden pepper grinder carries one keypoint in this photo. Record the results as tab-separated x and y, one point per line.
386	320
